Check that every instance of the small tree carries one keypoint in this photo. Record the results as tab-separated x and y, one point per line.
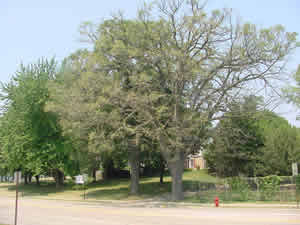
237	143
281	145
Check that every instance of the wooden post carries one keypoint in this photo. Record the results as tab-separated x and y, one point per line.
17	184
83	191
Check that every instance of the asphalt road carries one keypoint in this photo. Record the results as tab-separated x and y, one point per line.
51	212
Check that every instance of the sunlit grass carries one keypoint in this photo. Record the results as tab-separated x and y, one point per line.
200	176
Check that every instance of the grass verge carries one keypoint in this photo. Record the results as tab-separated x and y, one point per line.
199	187
115	189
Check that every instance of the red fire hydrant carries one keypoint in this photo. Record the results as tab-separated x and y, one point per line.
217	202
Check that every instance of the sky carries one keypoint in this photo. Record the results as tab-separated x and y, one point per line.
31	29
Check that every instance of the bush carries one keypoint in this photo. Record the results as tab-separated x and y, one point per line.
239	185
268	186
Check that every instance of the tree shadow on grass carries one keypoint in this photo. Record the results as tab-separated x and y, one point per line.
44	189
5	186
152	189
114	189
146	190
109	194
109	183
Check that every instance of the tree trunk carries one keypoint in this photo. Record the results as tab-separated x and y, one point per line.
25	178
37	178
108	169
162	170
176	167
161	177
59	178
94	175
134	163
29	177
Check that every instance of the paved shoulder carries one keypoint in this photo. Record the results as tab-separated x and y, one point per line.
51	212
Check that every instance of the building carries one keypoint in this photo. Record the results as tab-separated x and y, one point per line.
195	161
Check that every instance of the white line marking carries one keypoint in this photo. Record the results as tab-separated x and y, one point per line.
286	214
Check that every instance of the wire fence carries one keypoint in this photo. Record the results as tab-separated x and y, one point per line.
255	196
205	192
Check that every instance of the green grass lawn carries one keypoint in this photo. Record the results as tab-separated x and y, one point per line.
198	186
200	176
115	189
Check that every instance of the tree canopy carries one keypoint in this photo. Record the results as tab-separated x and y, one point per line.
281	145
31	139
159	80
170	72
236	142
253	142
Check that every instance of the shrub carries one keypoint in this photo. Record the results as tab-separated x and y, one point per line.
268	186
240	185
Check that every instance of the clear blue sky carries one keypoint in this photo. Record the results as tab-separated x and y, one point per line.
31	29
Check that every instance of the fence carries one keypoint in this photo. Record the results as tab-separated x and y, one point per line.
206	192
231	196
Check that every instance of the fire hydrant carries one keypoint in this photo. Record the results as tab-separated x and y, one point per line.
217	202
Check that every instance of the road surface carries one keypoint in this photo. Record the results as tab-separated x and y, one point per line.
51	212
